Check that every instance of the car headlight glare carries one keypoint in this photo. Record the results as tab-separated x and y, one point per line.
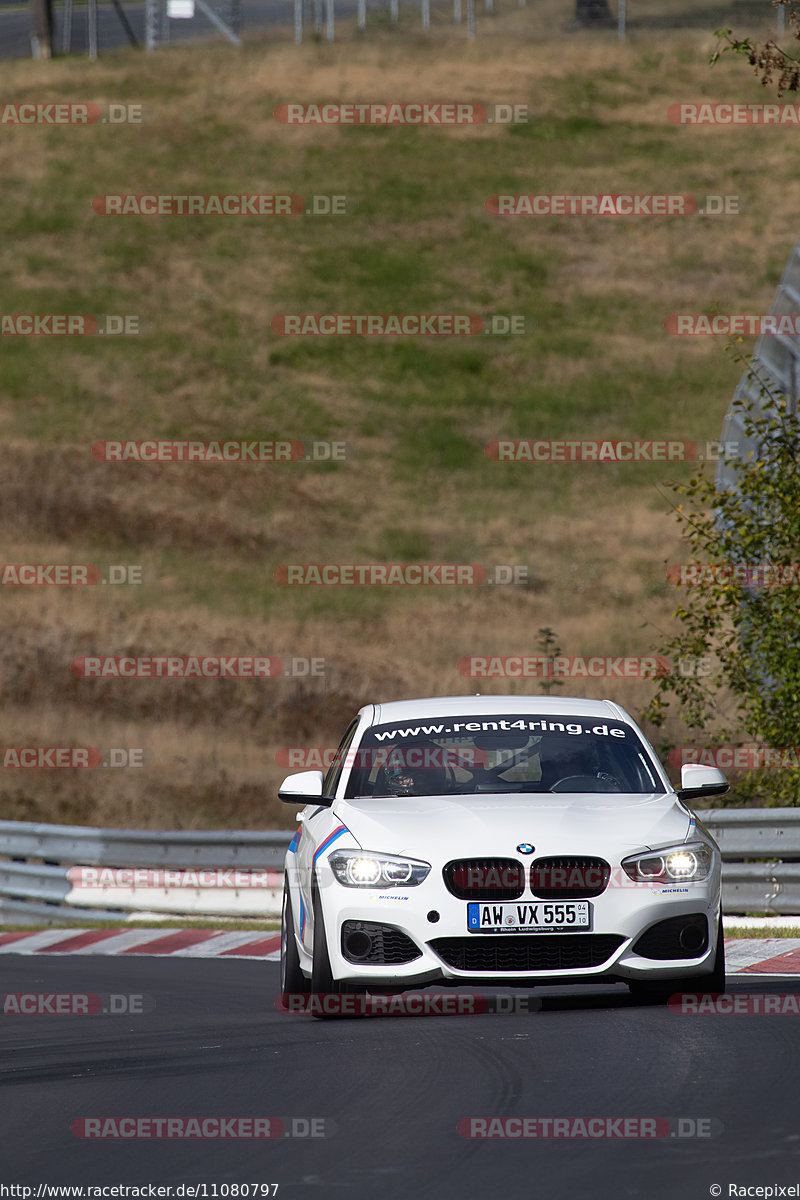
687	864
355	868
362	872
682	865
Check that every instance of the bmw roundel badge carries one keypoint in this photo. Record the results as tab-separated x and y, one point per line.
525	848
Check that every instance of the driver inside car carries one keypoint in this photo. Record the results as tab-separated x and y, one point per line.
568	764
414	771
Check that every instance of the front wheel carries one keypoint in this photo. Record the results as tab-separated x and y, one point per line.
322	981
292	978
659	991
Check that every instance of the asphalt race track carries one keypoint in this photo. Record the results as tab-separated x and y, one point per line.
391	1090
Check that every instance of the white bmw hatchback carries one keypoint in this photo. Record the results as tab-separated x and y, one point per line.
500	839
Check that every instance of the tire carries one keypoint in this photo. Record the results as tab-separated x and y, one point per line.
322	981
715	982
293	980
659	992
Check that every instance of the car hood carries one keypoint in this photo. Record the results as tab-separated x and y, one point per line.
447	827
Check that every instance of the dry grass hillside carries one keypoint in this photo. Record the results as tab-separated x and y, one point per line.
415	413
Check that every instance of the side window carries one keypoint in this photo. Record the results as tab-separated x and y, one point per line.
331	780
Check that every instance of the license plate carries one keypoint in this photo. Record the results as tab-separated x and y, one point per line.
540	916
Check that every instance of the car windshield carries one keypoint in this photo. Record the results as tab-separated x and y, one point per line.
512	753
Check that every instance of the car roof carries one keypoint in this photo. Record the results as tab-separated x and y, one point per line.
458	706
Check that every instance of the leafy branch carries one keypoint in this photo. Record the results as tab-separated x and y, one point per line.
768	60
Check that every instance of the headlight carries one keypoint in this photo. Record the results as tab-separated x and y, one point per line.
358	868
673	865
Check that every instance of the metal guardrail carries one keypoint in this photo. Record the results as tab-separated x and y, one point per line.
758	833
143	848
149	872
49	889
755	832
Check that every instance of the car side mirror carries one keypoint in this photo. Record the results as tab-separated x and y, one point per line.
701	781
304	787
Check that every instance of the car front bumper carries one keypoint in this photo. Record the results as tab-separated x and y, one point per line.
436	923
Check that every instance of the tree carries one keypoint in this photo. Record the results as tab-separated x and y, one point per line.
768	58
741	613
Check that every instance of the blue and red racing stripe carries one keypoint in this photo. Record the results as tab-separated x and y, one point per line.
329	840
293	844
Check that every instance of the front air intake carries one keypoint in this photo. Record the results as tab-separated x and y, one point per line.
527	953
677	937
371	942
